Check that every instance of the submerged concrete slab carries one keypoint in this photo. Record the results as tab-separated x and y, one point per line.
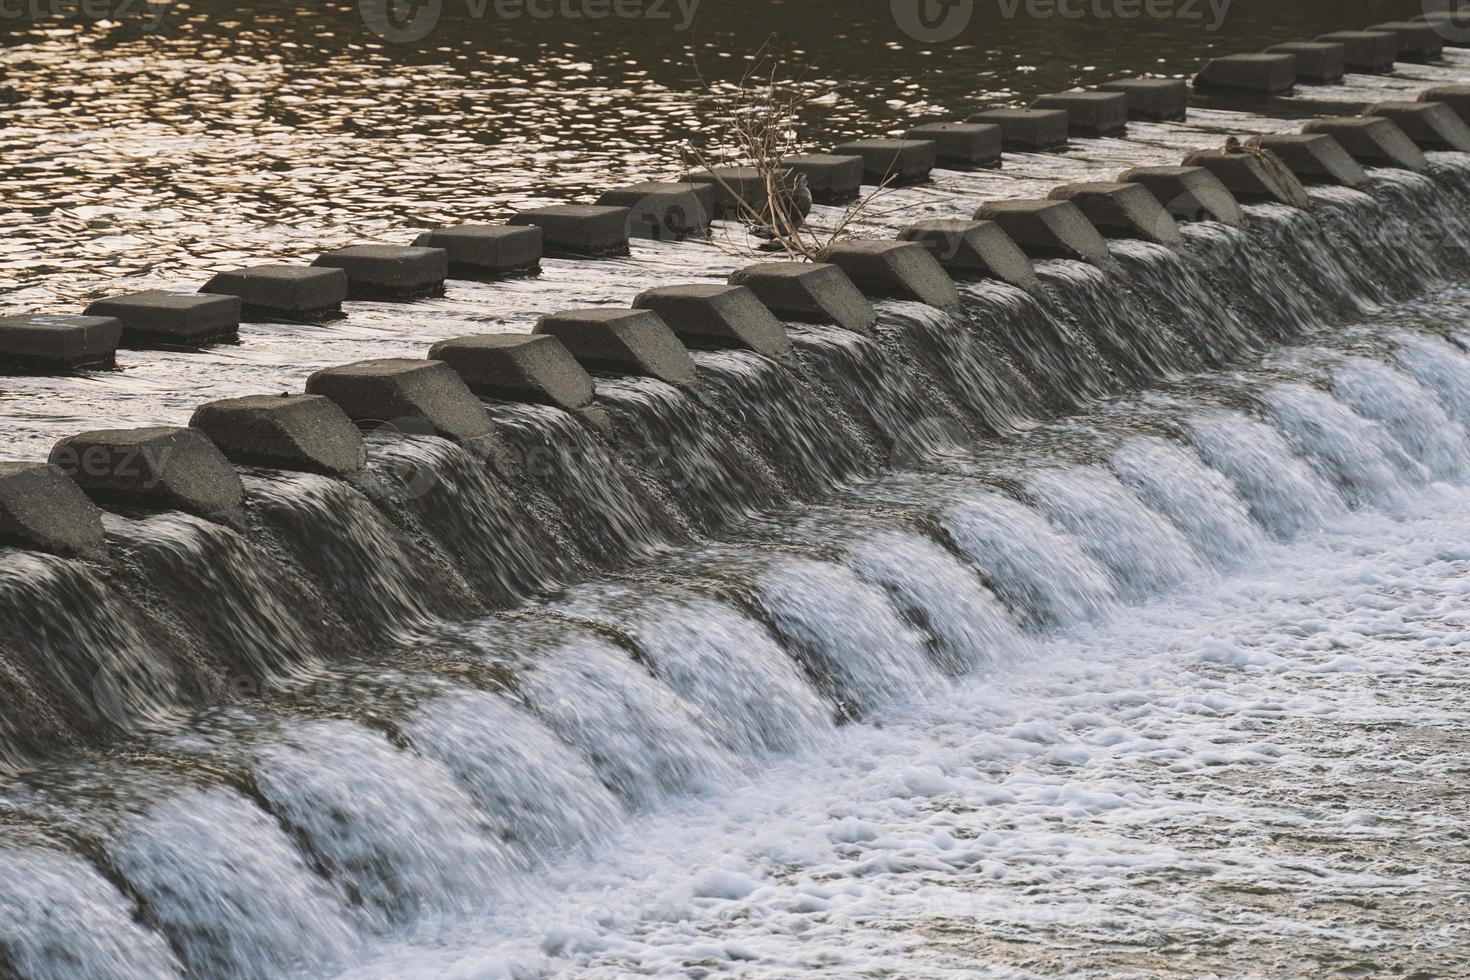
661	210
1027	129
579	231
487	252
1253	178
1369	52
152	468
288	432
160	318
809	292
902	270
1372	141
1157	99
395	272
1316	61
714	315
1431	125
57	342
832	178
973	250
897	162
518	367
622	341
1256	74
1049	230
1122	211
406	395
1188	193
1418	41
1315	158
962	145
293	293
41	507
1089	113
1457	97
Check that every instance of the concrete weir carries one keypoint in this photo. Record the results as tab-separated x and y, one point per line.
809	292
973	250
42	508
1314	158
896	162
962	145
1253	178
622	342
580	231
156	468
1369	52
663	211
518	367
1317	62
395	272
41	342
1122	211
1027	130
487	252
1049	230
1089	113
712	315
1374	141
405	395
1154	99
1431	125
158	318
1257	74
289	432
1188	193
902	270
832	178
299	293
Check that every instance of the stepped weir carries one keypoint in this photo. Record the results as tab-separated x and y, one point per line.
364	609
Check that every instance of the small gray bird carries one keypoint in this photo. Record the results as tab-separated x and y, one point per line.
798	205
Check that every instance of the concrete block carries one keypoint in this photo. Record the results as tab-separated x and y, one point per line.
1188	193
1453	27
518	367
47	342
1027	129
902	270
1049	230
623	342
973	250
396	272
160	318
1431	125
733	185
487	252
1368	52
1257	74
1316	61
962	145
292	293
1122	211
809	292
410	395
1372	141
1315	158
832	179
579	231
1418	41
1457	97
1090	113
661	210
153	468
288	432
1159	99
714	315
1252	178
898	162
41	507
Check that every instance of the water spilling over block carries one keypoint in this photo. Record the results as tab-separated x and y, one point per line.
153	468
713	315
518	367
406	395
622	341
42	342
809	292
1090	113
396	272
734	185
1315	158
289	432
1316	61
1370	52
1049	230
902	270
1372	140
301	293
832	179
41	507
1431	125
487	252
579	231
973	250
1417	41
962	145
1253	178
1188	193
157	317
1122	211
1257	74
897	162
1457	97
662	211
1158	99
1027	129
